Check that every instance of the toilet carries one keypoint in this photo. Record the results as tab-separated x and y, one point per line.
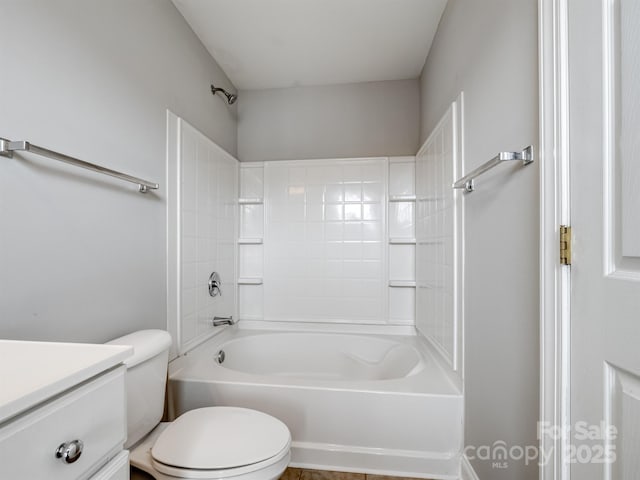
205	443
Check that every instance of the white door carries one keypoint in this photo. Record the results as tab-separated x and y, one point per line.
604	150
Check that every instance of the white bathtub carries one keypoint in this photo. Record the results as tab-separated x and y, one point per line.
321	356
365	403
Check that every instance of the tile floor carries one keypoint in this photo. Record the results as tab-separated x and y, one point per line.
304	474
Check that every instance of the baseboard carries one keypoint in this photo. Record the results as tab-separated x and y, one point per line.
396	463
466	470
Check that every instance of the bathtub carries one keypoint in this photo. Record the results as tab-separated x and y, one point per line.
363	403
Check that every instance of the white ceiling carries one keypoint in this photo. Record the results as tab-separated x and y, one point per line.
285	43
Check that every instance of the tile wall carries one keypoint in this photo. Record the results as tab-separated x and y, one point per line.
437	293
208	218
315	241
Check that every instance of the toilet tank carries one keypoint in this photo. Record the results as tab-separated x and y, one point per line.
145	381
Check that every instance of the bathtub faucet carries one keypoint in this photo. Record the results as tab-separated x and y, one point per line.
217	321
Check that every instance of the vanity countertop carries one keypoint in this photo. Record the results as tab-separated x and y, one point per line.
32	372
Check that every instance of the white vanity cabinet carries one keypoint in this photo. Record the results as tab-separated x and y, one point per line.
65	432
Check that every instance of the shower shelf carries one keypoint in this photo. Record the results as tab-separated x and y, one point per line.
402	241
402	283
251	201
250	241
402	198
250	281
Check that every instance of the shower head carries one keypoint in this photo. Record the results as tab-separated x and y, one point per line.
231	97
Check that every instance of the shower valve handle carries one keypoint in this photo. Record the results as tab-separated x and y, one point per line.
214	284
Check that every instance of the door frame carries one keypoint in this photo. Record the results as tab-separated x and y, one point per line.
555	279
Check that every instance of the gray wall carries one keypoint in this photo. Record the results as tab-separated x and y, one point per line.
353	120
83	256
488	49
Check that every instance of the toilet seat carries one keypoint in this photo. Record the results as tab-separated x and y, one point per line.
140	458
216	442
278	464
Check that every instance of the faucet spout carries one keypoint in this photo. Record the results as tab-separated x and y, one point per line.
218	321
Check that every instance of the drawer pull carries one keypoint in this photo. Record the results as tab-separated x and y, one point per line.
70	452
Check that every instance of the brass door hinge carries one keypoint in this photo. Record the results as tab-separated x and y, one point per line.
565	245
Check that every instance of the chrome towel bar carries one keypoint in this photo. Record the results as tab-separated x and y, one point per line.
466	182
7	148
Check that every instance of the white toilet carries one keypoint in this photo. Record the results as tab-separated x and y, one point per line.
206	443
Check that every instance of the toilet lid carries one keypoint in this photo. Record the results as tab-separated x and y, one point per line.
220	438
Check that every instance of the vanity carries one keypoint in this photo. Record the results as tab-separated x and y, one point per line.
62	411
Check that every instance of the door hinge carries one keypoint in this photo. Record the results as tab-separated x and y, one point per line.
565	245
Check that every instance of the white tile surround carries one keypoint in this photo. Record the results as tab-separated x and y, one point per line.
322	241
325	241
438	235
205	207
314	241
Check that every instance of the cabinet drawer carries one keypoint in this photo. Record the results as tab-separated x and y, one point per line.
116	469
93	413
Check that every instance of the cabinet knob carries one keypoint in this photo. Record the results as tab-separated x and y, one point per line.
69	452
